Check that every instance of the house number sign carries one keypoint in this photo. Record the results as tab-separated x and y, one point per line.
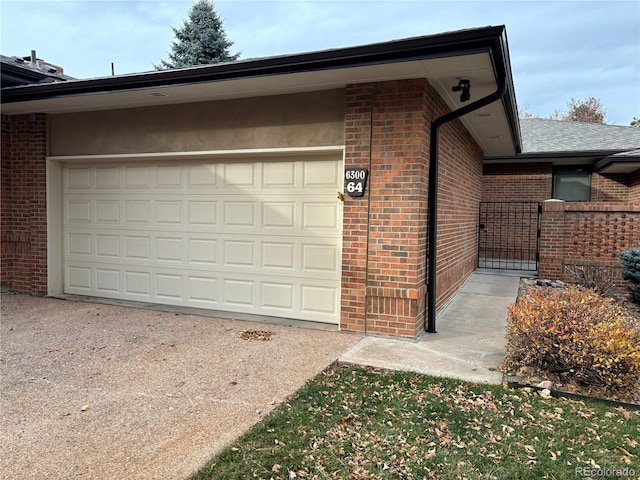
355	180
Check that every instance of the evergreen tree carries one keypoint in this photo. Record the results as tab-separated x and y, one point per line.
631	271
201	40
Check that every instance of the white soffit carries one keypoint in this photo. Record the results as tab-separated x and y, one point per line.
621	167
489	125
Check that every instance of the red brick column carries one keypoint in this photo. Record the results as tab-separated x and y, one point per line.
24	203
551	239
385	233
356	211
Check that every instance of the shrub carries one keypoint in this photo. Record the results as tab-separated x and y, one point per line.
595	276
631	271
576	334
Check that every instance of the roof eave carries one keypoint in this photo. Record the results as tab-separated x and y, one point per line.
491	40
400	50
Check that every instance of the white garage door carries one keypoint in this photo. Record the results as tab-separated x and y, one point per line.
260	237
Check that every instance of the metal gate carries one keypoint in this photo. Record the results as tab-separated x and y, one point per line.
509	235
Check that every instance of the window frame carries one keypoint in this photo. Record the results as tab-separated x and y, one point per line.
558	171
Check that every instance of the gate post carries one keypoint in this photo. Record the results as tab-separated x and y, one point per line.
551	239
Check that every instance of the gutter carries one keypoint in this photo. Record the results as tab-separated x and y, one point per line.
432	244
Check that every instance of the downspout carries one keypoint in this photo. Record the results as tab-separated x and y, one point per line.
433	191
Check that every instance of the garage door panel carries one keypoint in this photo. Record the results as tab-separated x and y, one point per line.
108	281
79	244
137	177
78	211
202	213
279	175
319	299
202	291
78	178
240	176
320	258
78	278
169	177
107	212
107	246
169	212
279	215
238	292
278	297
202	176
169	286
321	175
170	249
137	283
278	255
137	248
240	214
320	216
137	212
202	251
108	178
248	237
239	253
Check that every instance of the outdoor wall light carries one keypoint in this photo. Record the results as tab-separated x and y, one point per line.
464	87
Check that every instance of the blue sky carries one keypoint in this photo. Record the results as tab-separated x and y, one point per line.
559	49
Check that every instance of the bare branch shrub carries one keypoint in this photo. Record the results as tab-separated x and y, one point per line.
595	276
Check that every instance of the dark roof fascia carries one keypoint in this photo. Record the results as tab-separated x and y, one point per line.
433	46
613	159
501	57
552	155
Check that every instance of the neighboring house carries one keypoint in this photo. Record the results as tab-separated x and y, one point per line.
16	71
238	186
593	168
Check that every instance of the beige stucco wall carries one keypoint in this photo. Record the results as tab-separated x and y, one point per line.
294	120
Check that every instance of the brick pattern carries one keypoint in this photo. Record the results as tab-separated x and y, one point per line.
610	187
24	203
585	234
459	194
384	236
525	182
634	188
534	182
357	125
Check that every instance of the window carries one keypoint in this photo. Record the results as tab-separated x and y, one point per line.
572	184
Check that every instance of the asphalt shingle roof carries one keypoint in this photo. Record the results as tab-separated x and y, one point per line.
545	135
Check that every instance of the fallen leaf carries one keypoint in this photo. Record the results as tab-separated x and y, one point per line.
262	335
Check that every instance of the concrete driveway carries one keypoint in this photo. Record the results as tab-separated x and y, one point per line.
92	391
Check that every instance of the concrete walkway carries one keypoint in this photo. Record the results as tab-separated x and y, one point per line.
470	340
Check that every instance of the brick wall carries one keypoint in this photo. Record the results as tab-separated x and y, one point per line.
610	187
384	234
384	237
586	234
634	187
512	182
23	220
534	182
459	194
